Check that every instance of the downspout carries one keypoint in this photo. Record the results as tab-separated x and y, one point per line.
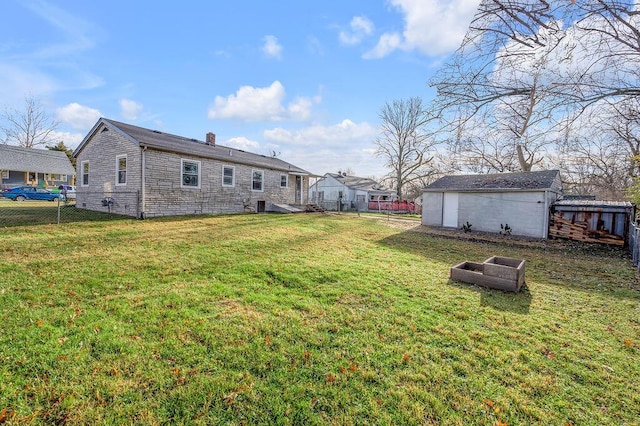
143	183
545	230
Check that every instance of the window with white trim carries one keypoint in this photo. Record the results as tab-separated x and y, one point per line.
84	170
284	181
121	170
5	174
54	177
190	174
257	180
228	176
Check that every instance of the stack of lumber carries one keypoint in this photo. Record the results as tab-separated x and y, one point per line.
562	227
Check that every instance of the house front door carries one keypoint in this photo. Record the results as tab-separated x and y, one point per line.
298	189
450	210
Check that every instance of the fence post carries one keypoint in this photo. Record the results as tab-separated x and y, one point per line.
58	210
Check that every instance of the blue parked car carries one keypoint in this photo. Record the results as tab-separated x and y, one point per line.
21	193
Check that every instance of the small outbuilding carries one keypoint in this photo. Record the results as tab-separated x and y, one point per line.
513	203
594	221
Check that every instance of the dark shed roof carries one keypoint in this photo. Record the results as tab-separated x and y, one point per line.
524	181
178	144
34	160
569	205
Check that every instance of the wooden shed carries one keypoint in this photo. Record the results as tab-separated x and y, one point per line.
605	222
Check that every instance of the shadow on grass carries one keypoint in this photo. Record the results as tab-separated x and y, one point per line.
576	267
504	301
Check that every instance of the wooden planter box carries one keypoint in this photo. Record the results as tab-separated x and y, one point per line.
501	273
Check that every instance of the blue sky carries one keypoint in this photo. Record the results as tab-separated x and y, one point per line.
305	79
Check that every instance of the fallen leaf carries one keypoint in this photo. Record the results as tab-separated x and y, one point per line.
230	399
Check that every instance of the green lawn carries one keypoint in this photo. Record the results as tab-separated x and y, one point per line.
307	319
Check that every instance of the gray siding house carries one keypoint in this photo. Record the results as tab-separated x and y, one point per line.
146	173
491	201
37	167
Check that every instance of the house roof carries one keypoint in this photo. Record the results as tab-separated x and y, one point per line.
359	183
34	160
172	143
524	181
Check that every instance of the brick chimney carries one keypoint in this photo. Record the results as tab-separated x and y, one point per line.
211	139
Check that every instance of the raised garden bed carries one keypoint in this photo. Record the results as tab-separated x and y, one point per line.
501	273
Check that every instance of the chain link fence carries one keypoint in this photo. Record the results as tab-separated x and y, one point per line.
85	206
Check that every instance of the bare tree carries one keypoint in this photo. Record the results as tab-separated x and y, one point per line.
597	153
30	127
527	68
403	143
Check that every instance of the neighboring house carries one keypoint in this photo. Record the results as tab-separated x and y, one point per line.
351	192
492	201
145	173
37	167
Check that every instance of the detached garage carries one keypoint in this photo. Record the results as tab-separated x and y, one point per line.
490	202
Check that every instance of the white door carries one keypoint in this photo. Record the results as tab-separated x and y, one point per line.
450	210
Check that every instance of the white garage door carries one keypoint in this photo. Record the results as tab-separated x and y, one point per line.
450	210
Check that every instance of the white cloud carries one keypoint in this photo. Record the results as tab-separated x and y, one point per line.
360	27
130	109
321	149
80	117
250	104
300	109
271	48
243	143
338	135
433	27
261	104
79	33
388	43
71	140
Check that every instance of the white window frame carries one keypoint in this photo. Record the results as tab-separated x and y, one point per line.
261	172
199	165
82	164
286	181
5	174
65	178
233	176
118	183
